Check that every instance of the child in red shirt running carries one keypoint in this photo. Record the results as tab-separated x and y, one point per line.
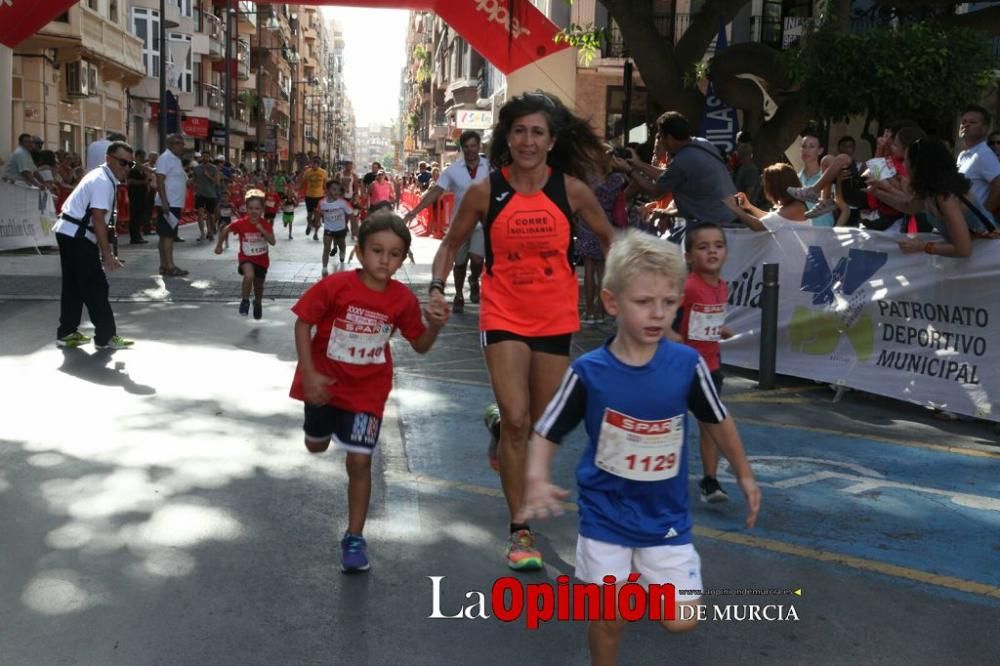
701	327
255	234
344	373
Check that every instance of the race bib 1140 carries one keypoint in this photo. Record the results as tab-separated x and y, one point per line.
640	450
358	344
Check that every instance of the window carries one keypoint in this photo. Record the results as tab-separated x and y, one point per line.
182	75
638	113
113	11
92	4
146	26
185	7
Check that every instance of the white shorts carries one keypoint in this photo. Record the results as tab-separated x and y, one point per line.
475	245
678	565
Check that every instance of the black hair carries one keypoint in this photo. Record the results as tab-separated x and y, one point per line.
333	181
673	123
45	158
384	221
22	137
578	151
933	171
381	205
140	153
696	229
118	145
987	118
813	129
845	139
466	135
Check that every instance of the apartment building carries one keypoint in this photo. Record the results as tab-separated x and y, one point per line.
70	79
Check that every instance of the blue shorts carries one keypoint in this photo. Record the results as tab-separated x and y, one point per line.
355	432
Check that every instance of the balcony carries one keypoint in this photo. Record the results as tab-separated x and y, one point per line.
214	28
243	60
212	99
310	33
246	13
108	42
239	119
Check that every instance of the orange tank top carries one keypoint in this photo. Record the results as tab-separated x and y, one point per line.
529	285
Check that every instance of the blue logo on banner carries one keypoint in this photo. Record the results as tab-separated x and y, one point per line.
850	273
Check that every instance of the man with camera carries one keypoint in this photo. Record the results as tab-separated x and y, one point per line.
85	253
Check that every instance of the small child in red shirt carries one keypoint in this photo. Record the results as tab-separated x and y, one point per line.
344	373
701	327
255	233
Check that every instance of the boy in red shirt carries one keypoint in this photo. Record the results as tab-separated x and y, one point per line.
255	233
344	373
701	327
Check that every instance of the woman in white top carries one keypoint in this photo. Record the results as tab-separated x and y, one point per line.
786	209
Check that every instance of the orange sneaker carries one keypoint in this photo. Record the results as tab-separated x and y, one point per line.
521	552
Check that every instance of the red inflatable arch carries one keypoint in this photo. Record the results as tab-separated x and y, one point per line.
509	42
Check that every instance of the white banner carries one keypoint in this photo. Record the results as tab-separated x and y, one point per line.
855	311
26	217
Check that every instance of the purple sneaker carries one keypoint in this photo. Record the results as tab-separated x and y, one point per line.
354	556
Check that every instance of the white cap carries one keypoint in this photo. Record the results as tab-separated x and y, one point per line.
197	156
220	158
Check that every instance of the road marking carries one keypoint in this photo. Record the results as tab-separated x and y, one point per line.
772	545
970	449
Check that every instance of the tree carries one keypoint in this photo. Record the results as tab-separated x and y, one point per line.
671	69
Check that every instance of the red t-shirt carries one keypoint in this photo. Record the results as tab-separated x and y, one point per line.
253	245
351	343
703	317
271	203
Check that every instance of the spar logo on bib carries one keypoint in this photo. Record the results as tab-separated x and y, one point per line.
839	296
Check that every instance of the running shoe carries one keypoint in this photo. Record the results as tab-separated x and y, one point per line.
521	552
473	292
244	307
822	208
258	310
116	342
806	194
353	553
458	305
711	491
333	252
74	339
492	420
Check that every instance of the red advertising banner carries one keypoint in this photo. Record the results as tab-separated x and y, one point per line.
195	127
510	38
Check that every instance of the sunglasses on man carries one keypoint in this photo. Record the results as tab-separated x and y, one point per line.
125	163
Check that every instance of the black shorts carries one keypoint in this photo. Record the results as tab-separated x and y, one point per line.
547	344
258	270
165	230
717	378
208	203
357	432
311	203
336	235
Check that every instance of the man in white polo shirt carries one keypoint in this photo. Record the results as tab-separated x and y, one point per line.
85	253
458	178
171	189
978	162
